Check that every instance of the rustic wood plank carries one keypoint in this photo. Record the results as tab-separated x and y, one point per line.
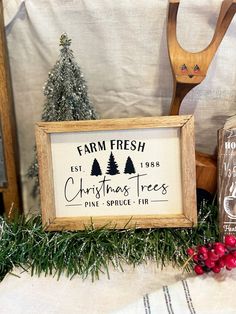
11	195
45	175
188	171
206	172
119	222
114	124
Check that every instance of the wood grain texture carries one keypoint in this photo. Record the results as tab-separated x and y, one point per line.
188	171
11	194
44	156
114	124
206	172
187	79
119	222
50	219
227	181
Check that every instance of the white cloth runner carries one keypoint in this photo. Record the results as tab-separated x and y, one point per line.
144	289
199	295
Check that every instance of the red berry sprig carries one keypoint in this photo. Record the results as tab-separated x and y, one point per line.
214	256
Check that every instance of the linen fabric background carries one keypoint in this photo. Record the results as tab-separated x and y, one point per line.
122	50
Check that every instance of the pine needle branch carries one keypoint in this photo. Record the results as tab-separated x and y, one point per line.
91	252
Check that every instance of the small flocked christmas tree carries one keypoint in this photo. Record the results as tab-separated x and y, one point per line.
129	166
96	170
112	167
66	95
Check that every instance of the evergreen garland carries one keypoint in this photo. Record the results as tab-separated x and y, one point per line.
23	242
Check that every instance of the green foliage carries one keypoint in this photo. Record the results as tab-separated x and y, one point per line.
23	242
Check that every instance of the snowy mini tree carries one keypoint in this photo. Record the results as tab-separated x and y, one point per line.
66	95
66	90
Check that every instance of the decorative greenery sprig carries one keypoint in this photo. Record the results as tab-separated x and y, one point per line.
23	242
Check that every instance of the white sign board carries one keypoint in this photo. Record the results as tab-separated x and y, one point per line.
126	172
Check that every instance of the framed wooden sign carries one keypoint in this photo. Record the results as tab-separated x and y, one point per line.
227	180
117	172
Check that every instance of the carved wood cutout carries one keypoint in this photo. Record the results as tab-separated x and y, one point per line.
189	69
10	191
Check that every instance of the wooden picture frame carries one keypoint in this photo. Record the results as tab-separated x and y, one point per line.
117	173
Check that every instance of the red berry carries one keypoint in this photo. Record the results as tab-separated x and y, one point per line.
233	253
195	258
198	270
216	269
219	249
209	263
202	249
190	251
220	263
230	261
230	240
213	256
202	256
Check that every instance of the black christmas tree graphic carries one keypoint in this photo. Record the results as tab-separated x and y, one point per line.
129	166
112	167
96	170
